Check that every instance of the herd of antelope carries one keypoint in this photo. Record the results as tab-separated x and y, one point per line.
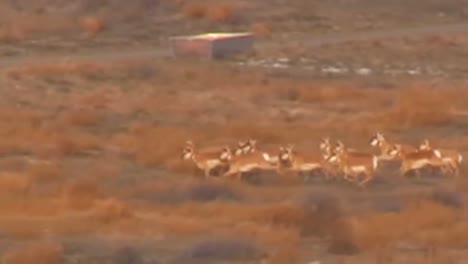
332	160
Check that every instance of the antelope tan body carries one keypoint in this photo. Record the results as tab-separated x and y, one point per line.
354	164
247	162
416	160
450	158
205	159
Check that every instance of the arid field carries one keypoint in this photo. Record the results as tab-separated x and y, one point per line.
91	148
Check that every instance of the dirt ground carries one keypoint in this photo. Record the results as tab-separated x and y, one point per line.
90	145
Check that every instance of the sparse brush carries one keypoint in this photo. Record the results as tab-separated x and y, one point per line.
211	11
81	195
92	25
110	210
41	252
127	255
421	107
222	249
45	172
448	198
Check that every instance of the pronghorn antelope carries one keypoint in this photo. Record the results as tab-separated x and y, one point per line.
450	158
251	146
416	160
205	159
244	147
354	164
301	162
240	164
378	140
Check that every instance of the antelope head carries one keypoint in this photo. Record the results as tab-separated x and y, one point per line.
425	145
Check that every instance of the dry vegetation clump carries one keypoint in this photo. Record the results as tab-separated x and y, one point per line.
18	25
282	244
383	230
45	172
81	194
422	106
285	216
175	193
110	210
223	249
82	116
40	252
327	216
216	12
74	143
204	192
262	30
57	69
15	183
19	228
143	141
127	255
448	198
92	25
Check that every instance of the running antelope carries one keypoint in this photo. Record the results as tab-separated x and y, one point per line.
416	160
378	140
301	162
204	159
240	164
450	158
331	163
355	164
251	146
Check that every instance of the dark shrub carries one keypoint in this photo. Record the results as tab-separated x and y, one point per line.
223	249
448	198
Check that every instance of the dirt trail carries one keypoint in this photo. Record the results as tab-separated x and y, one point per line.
310	41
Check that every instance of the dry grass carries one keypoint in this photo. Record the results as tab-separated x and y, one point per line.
45	172
422	106
211	11
385	230
82	117
81	195
262	30
110	210
15	183
112	165
41	252
18	25
236	249
44	69
92	25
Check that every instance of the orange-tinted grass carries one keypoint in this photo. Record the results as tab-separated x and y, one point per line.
386	229
110	210
39	252
92	25
82	117
45	172
15	183
22	228
211	11
81	195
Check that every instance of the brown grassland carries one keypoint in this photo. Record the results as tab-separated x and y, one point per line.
90	150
